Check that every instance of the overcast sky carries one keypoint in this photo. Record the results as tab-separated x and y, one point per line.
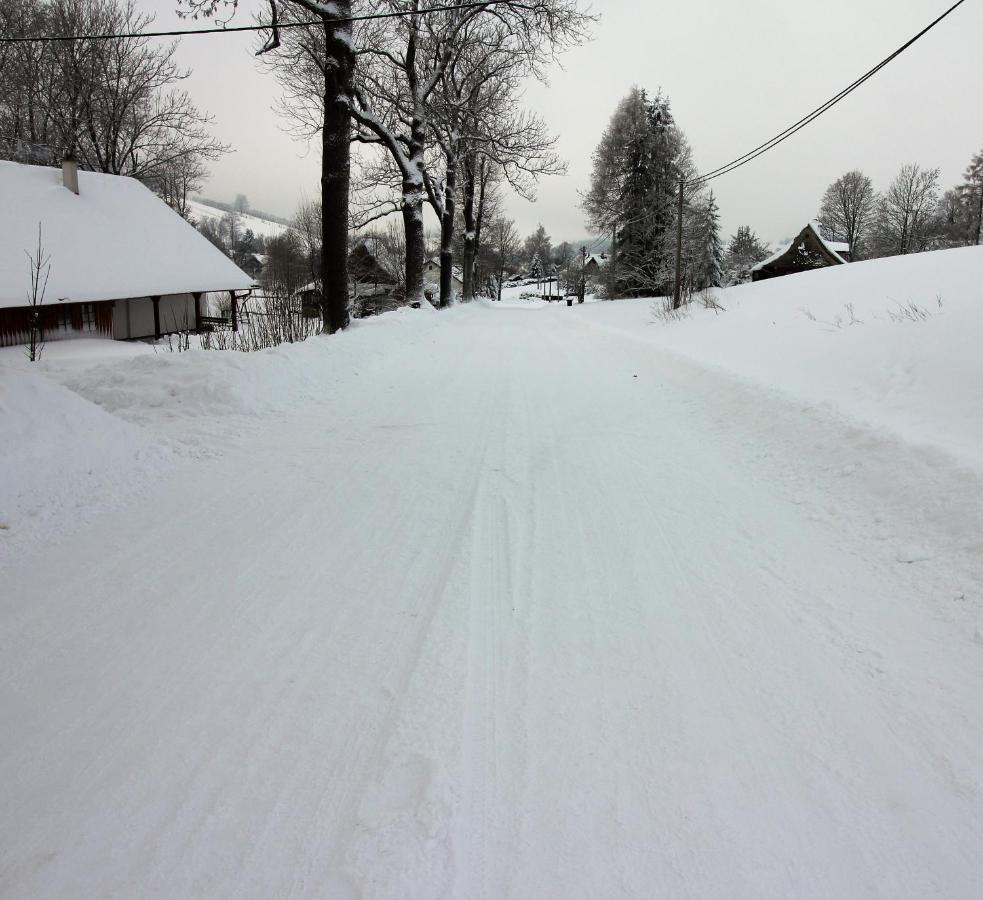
736	73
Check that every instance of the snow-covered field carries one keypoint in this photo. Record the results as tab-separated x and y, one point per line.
515	600
259	226
893	342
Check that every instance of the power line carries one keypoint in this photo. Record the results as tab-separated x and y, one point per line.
753	154
727	168
47	39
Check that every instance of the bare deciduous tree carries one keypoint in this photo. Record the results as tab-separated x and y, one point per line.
115	104
505	243
316	67
307	225
476	119
848	211
40	270
907	213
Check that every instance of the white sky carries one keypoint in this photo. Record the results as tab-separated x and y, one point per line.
736	74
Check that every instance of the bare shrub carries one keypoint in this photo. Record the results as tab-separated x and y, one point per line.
266	320
908	312
853	318
662	311
40	270
708	298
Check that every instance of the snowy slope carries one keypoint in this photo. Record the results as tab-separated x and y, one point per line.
260	227
893	342
498	602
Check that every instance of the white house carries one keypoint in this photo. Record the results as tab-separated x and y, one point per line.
121	263
431	278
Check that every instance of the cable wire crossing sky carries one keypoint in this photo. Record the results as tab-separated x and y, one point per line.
732	73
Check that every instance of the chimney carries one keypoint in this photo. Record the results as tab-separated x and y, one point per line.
70	173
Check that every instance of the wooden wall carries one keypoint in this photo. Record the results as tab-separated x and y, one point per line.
58	322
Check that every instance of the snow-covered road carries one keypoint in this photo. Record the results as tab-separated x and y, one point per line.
521	608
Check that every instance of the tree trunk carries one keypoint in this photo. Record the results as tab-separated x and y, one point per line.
336	169
467	211
478	221
415	241
447	233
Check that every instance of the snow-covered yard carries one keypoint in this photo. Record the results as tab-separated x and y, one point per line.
516	600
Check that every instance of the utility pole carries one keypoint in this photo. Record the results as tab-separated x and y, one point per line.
677	297
583	274
614	262
979	216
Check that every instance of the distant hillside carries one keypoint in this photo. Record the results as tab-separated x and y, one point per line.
228	207
259	224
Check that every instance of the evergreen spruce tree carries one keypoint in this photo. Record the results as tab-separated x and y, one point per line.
971	195
637	168
743	252
709	251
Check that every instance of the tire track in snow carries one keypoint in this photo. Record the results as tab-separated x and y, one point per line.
380	808
492	743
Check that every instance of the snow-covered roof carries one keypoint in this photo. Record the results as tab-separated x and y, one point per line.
600	258
776	255
114	240
835	248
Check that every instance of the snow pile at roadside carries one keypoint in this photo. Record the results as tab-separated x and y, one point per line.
96	422
894	342
64	461
164	388
154	389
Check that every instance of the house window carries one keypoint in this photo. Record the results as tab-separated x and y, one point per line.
89	317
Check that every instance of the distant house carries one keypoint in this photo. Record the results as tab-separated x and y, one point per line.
307	300
808	251
431	279
594	264
372	287
123	265
365	267
253	264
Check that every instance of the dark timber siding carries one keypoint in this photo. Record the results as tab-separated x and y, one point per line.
58	320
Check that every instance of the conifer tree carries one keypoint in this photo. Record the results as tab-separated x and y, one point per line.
706	261
637	168
971	194
743	252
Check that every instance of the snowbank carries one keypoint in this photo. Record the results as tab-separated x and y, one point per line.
96	421
893	342
162	388
64	461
